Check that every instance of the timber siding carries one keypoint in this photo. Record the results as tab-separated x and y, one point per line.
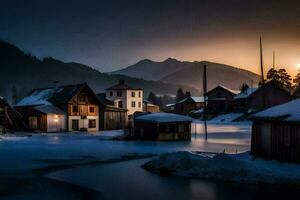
276	140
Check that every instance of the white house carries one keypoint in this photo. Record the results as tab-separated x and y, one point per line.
126	97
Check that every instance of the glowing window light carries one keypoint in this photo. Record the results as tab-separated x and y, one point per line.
56	119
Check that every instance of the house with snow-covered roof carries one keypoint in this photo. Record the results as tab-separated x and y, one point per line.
64	108
253	99
188	104
276	133
220	99
162	126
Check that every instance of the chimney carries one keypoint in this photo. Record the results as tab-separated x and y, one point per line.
121	82
55	83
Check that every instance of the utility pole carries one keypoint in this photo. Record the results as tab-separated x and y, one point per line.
262	73
204	96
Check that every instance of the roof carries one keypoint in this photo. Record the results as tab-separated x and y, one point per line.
230	90
49	96
108	105
161	117
289	111
245	94
192	98
49	109
122	86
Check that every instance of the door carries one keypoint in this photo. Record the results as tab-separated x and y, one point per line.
75	124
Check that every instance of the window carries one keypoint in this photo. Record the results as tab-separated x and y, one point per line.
111	93
181	128
92	123
82	97
33	122
132	94
140	94
119	93
92	109
140	104
133	104
74	108
120	104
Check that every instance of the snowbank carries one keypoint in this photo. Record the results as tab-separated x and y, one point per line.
230	167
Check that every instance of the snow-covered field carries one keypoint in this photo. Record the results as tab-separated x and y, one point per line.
227	167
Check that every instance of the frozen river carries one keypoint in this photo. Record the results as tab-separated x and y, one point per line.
87	168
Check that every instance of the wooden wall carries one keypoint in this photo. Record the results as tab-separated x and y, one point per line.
276	140
112	120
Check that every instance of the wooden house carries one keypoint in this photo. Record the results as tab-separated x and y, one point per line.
191	103
64	108
220	99
150	107
111	117
10	119
276	133
162	126
253	99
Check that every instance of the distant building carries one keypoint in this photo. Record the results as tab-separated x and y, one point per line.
252	99
191	103
64	108
220	99
10	119
111	117
276	133
162	126
150	107
126	97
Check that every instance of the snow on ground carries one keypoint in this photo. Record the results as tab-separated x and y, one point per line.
230	167
226	118
111	134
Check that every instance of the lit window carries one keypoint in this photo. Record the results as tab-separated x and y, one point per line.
133	104
132	94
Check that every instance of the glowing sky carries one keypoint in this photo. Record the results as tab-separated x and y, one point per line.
109	35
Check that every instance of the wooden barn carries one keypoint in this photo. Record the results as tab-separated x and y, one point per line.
162	126
191	103
10	119
111	117
220	99
64	108
150	107
253	99
276	133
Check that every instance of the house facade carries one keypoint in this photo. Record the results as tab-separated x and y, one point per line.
220	99
126	97
64	108
150	107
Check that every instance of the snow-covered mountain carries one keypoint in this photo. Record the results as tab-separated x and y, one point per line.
190	73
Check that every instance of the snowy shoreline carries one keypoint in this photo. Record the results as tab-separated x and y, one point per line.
227	167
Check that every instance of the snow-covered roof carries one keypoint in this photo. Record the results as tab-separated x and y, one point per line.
194	98
201	110
245	94
170	104
230	90
49	109
161	117
37	97
289	111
